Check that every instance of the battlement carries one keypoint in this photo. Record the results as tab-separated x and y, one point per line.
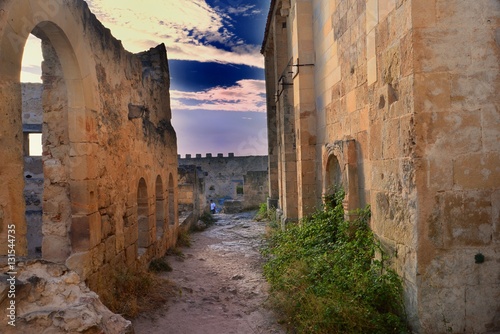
208	156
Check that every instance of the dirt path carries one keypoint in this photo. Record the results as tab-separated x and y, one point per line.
220	284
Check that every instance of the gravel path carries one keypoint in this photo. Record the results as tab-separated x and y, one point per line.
220	285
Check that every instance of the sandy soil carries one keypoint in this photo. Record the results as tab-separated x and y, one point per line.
220	285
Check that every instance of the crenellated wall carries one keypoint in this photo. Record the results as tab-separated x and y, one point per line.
397	101
109	149
235	178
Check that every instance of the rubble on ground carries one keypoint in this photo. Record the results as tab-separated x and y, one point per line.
49	298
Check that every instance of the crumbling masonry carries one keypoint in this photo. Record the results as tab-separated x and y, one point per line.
109	150
398	102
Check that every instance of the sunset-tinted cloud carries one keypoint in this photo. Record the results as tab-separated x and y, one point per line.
192	30
217	80
246	95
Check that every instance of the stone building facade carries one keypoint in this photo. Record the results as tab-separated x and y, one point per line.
238	180
109	149
397	101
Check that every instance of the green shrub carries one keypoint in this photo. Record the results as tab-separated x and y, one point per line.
262	213
267	214
324	277
176	251
159	265
208	218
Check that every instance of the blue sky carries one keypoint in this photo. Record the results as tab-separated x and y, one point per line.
217	77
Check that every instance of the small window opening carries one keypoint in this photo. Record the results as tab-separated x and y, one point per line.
35	144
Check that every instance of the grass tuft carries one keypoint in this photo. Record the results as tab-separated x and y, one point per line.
183	239
159	265
269	215
135	292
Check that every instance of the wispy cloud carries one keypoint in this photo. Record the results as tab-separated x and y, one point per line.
247	10
192	30
246	95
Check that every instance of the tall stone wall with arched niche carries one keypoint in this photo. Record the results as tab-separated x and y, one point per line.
340	171
106	126
397	101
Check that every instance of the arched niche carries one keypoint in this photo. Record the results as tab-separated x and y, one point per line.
340	170
333	175
143	241
171	201
160	208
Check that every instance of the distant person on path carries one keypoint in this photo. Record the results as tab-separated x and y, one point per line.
212	207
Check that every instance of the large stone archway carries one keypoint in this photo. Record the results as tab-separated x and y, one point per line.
49	22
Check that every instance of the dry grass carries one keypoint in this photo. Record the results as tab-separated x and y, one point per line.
136	292
184	239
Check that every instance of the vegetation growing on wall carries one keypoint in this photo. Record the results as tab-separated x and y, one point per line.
325	279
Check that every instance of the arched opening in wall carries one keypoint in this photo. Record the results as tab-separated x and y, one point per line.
142	217
333	177
160	209
32	120
239	189
65	104
45	117
171	200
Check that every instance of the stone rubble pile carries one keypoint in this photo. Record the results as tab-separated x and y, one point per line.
49	298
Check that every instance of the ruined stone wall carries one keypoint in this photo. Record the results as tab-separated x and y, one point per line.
32	111
187	184
255	189
225	178
192	202
109	157
406	120
32	118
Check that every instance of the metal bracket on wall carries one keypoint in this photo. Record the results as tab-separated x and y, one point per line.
296	67
281	86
